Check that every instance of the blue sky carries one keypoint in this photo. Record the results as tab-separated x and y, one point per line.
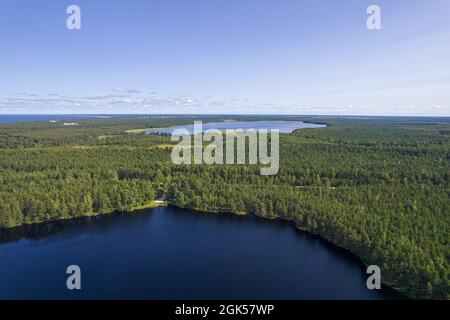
225	56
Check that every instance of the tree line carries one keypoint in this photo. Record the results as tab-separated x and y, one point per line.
377	187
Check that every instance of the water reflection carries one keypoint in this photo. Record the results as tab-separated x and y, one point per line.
171	253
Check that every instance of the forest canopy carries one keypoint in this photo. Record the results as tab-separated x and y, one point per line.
378	187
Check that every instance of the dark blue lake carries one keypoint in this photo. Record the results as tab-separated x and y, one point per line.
171	253
282	126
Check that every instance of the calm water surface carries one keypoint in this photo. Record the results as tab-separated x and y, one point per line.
282	126
171	253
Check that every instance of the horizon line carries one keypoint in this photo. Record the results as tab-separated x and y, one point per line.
221	114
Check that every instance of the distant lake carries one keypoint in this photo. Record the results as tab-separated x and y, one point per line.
282	126
172	253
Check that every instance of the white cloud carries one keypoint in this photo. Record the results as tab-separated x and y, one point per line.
347	103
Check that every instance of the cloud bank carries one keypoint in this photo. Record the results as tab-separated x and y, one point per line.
134	101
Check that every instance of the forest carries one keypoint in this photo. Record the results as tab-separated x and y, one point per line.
377	186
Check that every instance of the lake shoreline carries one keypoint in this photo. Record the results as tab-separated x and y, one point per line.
151	205
327	242
239	125
25	231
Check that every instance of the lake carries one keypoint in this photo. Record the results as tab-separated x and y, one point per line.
282	126
172	253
